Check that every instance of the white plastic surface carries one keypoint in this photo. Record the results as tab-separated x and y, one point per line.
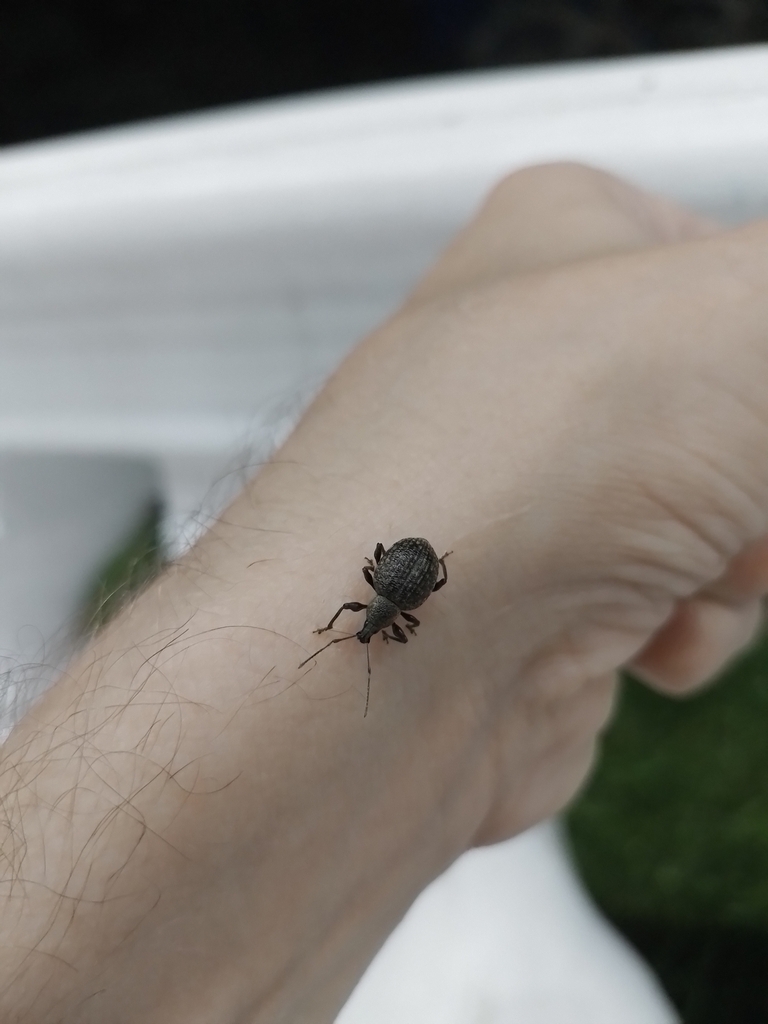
506	936
169	290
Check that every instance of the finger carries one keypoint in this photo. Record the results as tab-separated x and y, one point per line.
546	216
696	643
705	632
746	578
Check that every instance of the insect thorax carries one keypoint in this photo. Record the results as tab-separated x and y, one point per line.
381	613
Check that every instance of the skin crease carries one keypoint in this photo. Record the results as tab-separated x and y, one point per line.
574	402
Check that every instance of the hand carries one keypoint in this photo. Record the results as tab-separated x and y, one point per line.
566	425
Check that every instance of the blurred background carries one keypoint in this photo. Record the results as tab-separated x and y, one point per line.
68	65
671	835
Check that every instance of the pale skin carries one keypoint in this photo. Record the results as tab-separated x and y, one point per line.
575	402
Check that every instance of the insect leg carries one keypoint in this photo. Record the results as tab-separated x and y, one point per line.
397	634
350	606
411	622
368	573
379	553
444	580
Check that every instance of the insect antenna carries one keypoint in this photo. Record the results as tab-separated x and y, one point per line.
338	640
368	691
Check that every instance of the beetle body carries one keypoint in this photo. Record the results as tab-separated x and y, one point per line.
403	577
407	573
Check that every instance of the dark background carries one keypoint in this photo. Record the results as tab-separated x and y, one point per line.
68	65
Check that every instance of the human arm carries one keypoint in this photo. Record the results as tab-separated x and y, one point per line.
197	831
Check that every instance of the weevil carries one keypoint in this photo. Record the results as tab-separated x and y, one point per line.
403	577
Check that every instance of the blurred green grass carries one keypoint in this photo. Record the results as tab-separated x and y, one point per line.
136	561
671	838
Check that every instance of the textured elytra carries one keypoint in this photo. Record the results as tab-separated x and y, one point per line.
407	573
